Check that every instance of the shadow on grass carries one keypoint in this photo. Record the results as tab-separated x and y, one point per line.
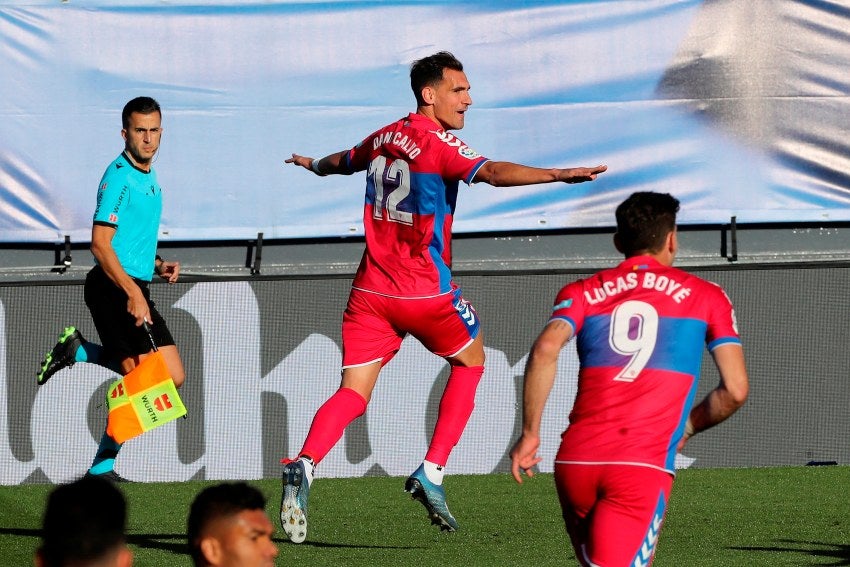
176	543
838	551
25	532
173	543
322	544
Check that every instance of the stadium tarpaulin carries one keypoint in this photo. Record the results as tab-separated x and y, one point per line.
737	108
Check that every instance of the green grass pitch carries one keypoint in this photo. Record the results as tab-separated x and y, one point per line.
725	517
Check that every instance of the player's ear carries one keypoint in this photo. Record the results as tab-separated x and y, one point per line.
428	95
124	133
125	559
672	242
211	550
617	242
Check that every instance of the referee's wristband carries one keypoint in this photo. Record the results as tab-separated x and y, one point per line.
314	165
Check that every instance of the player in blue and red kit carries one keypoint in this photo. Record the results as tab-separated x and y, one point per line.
640	329
404	282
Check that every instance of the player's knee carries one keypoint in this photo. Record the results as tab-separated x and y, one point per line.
178	379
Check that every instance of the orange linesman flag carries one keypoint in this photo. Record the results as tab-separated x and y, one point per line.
142	400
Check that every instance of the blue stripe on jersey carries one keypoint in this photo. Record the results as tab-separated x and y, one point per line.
670	461
445	273
678	346
433	194
568	320
475	169
723	341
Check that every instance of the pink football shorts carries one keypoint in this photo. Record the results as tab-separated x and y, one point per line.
374	325
613	512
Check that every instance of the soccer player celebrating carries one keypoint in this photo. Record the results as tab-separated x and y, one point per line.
124	242
640	330
404	283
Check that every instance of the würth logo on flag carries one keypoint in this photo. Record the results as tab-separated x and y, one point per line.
162	403
143	399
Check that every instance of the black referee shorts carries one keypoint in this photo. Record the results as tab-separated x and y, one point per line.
118	332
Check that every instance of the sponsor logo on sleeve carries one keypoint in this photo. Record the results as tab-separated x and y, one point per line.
468	153
451	140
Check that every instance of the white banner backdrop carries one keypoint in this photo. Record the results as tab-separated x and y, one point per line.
710	101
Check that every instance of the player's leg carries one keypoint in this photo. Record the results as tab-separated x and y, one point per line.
62	355
329	423
627	519
578	489
127	344
458	400
72	347
172	358
344	406
368	342
448	326
174	362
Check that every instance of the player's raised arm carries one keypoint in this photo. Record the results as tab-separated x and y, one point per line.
507	174
333	164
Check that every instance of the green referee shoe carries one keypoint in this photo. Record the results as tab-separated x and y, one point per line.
62	355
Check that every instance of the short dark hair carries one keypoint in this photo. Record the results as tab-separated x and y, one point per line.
644	220
83	521
140	104
428	71
215	502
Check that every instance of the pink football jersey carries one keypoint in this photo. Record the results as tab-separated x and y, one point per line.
413	169
640	333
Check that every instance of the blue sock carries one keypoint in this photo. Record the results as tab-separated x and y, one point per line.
104	459
93	353
89	352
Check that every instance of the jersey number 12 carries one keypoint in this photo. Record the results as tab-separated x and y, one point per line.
392	185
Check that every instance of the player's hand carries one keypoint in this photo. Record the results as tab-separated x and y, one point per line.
687	434
524	456
580	174
303	161
138	308
169	271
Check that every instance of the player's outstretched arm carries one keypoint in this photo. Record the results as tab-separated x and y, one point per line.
727	397
333	164
507	174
